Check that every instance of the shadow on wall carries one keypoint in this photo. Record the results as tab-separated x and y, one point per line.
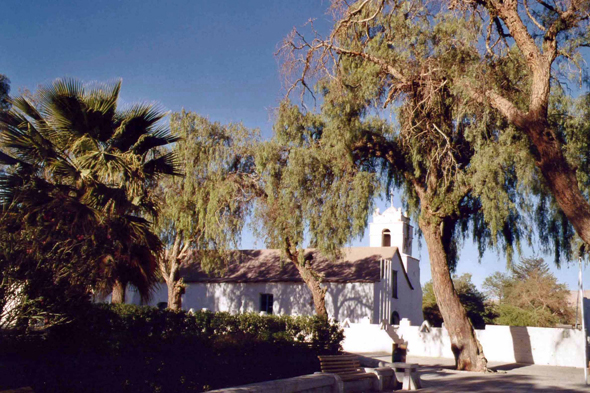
343	301
296	299
521	344
288	298
349	301
391	332
433	342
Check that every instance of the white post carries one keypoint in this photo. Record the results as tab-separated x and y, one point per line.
581	289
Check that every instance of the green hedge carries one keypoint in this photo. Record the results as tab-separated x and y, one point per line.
112	348
140	325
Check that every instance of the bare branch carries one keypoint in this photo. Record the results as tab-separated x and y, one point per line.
348	20
526	7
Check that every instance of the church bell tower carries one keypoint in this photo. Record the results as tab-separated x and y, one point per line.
391	229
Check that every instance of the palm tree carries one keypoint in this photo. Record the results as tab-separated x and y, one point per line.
70	147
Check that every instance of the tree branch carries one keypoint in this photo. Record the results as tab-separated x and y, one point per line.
508	12
498	102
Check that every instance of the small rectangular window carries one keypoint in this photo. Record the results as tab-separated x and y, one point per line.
394	284
266	301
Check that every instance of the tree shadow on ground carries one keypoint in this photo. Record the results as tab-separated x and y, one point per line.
460	382
509	366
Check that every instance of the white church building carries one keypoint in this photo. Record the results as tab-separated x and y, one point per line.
366	284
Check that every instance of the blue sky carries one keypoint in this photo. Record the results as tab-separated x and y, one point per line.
215	58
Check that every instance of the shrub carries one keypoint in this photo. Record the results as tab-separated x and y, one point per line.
111	348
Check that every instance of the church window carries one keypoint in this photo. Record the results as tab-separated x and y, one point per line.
394	318
386	238
394	284
266	301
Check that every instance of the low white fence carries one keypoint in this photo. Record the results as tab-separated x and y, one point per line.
510	344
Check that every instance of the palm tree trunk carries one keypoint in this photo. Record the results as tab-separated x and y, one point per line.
118	294
468	351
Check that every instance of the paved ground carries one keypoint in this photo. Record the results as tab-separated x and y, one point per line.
437	375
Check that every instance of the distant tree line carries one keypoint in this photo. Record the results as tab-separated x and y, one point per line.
528	295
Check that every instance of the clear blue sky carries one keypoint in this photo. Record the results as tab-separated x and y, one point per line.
212	57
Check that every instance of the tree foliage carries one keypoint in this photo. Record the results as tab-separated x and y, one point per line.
403	55
314	190
76	191
476	304
529	296
469	83
313	184
203	211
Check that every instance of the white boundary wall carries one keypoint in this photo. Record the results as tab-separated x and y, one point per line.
510	344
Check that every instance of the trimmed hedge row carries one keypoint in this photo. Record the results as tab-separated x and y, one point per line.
143	349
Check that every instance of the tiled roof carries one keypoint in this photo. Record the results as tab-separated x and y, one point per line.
357	264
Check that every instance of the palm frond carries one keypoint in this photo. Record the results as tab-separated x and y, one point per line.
27	144
64	169
101	101
166	164
111	200
27	108
111	168
134	123
148	142
5	159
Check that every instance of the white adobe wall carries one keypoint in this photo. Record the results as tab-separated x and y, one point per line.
366	338
409	301
369	302
414	300
351	300
510	344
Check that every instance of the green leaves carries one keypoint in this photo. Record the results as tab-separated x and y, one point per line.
71	150
205	209
529	296
314	190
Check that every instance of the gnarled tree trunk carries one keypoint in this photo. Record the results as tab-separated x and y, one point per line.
464	344
169	263
545	143
560	177
311	279
118	294
175	291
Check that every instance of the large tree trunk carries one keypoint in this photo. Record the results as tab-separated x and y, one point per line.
169	264
318	293
560	177
311	279
118	295
175	292
464	344
545	143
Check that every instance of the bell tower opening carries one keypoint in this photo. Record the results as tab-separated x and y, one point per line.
391	229
386	238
